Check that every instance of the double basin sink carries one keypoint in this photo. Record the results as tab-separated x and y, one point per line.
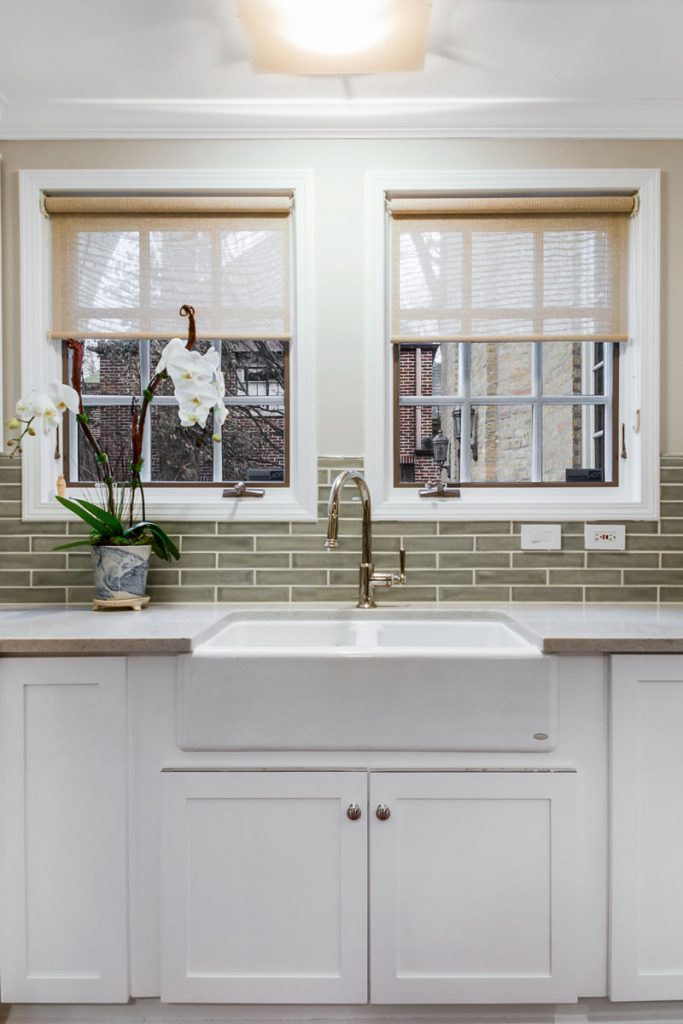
358	680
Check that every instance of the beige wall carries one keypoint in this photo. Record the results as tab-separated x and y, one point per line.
339	168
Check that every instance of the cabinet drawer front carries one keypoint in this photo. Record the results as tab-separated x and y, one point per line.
264	887
473	887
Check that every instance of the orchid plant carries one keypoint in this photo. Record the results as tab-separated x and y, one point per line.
199	389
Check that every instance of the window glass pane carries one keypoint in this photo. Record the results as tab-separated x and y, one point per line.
574	368
254	443
562	367
254	368
110	425
573	443
111	368
501	444
179	454
428	370
501	369
417	426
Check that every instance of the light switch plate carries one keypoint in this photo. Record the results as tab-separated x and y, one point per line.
604	537
541	537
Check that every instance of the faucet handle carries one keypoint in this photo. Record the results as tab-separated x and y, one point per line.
401	565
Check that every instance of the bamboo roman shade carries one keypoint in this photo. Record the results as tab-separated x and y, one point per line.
123	265
500	269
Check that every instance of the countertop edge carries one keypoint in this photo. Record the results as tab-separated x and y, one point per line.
94	646
578	645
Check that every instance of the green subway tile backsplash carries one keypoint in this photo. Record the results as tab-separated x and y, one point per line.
447	561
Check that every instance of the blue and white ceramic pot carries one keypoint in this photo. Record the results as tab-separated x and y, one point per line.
120	572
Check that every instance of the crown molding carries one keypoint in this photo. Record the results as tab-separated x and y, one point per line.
639	133
425	117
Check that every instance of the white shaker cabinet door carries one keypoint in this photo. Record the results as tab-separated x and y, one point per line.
646	947
473	893
63	830
264	887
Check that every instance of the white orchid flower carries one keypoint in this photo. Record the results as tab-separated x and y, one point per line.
24	407
45	410
64	397
220	415
172	355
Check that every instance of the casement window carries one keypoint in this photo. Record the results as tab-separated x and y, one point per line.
515	326
121	266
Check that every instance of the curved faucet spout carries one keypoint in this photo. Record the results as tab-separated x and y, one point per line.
368	579
340	480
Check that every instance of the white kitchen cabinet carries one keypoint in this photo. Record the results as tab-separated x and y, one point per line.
264	887
646	960
473	893
473	887
64	845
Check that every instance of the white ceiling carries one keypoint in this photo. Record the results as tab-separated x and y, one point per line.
179	68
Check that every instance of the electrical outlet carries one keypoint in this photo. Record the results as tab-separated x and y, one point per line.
541	537
602	537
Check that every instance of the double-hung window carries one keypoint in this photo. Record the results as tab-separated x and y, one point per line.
510	332
122	268
126	251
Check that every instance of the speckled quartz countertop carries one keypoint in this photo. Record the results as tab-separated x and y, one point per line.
176	629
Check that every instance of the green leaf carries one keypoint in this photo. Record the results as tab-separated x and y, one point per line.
162	544
111	522
83	513
76	544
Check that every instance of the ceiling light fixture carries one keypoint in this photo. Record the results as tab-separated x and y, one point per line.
335	37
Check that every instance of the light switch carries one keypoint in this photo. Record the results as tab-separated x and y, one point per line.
541	536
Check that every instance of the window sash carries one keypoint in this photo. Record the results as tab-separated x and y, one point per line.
93	400
536	400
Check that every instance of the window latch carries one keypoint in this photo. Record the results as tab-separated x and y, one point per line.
240	490
439	489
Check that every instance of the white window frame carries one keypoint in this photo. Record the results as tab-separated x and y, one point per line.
637	494
41	359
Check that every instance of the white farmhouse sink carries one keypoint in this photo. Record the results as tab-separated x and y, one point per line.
381	680
368	633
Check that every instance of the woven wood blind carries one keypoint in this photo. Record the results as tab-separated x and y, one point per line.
123	265
499	269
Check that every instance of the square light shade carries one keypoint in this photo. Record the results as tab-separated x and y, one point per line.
335	37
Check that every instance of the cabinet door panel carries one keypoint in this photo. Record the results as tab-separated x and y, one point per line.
264	889
646	949
472	888
63	808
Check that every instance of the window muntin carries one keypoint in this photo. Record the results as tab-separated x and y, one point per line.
515	414
254	441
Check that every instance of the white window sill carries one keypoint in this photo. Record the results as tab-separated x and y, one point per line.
193	505
529	504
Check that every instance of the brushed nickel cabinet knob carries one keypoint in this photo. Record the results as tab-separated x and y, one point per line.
353	812
383	812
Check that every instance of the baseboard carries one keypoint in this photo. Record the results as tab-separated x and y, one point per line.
151	1011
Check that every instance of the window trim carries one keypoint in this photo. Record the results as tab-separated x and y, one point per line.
41	358
637	494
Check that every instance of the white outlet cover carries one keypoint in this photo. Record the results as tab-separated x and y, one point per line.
605	537
541	537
